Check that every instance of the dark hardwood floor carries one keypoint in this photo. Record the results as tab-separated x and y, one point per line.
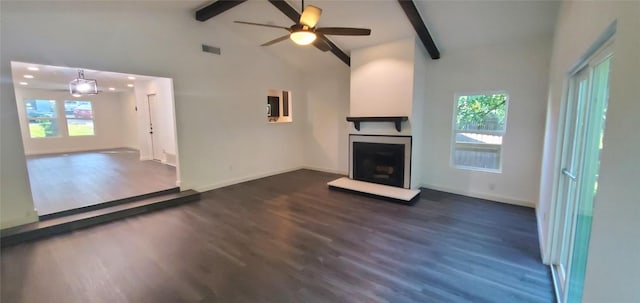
288	238
67	181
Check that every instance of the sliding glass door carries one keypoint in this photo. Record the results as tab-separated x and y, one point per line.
585	113
568	184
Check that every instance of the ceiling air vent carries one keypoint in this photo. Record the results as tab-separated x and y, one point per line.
210	49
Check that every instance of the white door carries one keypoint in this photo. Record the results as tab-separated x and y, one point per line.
154	128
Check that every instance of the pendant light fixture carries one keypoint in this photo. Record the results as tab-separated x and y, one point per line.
82	86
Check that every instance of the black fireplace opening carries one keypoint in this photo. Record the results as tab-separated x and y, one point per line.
379	163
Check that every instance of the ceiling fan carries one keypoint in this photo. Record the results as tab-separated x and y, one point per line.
305	31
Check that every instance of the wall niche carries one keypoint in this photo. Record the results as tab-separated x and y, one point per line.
279	106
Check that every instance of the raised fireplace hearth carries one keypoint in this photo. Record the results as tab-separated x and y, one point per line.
379	166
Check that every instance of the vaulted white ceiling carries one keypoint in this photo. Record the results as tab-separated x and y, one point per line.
473	23
453	24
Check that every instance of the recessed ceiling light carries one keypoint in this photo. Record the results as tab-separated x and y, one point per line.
24	83
112	88
28	76
131	78
77	95
130	85
33	68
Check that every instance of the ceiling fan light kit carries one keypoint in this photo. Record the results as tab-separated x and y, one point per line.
303	37
82	86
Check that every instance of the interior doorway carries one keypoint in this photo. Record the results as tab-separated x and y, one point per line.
584	120
156	149
92	149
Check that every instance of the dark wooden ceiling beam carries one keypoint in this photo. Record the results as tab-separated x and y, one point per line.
412	13
338	52
286	9
293	14
216	8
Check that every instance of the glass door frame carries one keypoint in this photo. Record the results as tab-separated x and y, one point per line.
571	169
576	126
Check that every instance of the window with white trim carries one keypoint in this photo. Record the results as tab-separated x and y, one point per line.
42	118
79	115
480	122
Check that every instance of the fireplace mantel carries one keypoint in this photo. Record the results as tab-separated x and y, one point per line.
397	120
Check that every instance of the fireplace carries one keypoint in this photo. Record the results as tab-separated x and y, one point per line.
383	160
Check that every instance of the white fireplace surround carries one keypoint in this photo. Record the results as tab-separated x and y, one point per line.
402	140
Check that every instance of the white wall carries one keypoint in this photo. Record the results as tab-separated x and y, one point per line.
421	57
222	134
327	131
382	85
108	126
129	120
613	265
521	69
16	205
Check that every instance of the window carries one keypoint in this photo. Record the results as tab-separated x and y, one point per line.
480	122
42	117
79	116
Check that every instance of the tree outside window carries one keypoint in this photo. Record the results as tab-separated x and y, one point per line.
480	124
42	117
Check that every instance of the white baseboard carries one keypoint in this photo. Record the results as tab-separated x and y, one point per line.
496	198
243	179
76	151
326	170
542	240
168	163
170	159
30	217
259	176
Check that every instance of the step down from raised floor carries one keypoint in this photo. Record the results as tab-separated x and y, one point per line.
389	193
109	204
67	223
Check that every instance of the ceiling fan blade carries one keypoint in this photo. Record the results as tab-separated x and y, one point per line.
310	16
264	25
276	40
344	31
321	43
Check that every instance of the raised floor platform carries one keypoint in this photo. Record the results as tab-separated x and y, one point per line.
73	220
396	194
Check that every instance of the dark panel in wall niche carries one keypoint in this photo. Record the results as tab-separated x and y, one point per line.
412	13
274	106
285	103
216	8
294	15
